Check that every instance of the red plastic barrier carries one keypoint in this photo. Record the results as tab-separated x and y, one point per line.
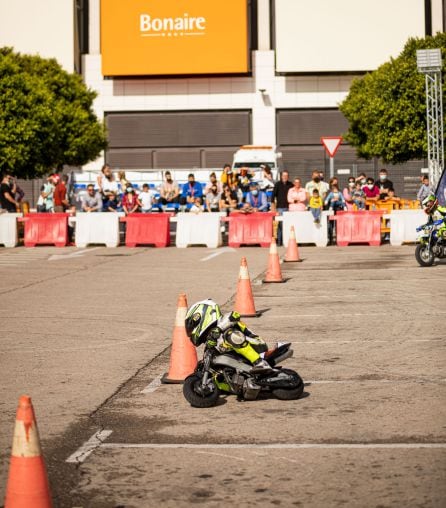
358	227
250	229
147	229
46	229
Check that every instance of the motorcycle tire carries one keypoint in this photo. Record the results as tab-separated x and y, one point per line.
195	399
424	255
290	393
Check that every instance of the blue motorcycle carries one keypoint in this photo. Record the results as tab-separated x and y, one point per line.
432	245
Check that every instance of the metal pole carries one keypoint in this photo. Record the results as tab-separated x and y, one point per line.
331	167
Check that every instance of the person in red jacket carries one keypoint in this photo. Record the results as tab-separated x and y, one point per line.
371	190
59	194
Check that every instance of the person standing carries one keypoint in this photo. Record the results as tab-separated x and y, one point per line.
280	199
229	177
384	184
297	197
59	195
316	183
7	200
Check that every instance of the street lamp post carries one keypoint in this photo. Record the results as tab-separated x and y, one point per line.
429	63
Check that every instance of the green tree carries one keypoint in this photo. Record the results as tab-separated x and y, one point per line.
386	108
46	116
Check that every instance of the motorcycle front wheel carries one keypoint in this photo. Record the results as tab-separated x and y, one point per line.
424	255
294	392
194	395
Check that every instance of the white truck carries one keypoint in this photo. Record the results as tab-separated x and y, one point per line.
252	156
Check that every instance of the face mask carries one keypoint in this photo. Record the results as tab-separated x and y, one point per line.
383	178
351	184
229	171
316	179
129	191
370	186
255	192
363	181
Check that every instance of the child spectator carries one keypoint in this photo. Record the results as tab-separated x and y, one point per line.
334	200
213	199
358	196
130	201
197	206
347	192
146	198
244	179
392	197
111	203
123	181
315	206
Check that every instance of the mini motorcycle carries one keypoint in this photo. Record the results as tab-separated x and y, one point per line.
230	373
431	244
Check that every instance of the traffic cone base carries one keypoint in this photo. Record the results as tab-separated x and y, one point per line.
244	300
273	273
27	480
292	252
183	356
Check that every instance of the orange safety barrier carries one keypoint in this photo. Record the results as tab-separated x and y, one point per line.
250	229
147	229
45	229
358	227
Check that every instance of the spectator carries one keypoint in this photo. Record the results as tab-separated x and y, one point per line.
191	190
267	182
169	190
333	181
371	191
335	200
48	195
213	199
315	206
228	200
324	185
244	179
229	177
280	199
111	203
358	196
391	196
316	183
40	205
123	182
61	203
213	182
384	184
106	181
130	201
297	197
197	206
92	201
362	179
425	190
146	198
256	200
347	193
7	198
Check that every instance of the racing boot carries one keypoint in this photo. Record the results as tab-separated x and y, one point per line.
261	366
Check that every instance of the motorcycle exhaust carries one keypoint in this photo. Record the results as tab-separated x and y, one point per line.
284	356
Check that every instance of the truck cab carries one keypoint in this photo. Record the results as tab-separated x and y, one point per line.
253	156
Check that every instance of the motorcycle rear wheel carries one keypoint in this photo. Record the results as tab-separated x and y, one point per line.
194	398
292	393
424	255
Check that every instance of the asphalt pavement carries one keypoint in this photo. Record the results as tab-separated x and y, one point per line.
86	333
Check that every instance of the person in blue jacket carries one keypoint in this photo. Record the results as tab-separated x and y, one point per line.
256	200
191	191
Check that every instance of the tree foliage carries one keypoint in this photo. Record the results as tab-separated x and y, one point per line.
46	116
386	109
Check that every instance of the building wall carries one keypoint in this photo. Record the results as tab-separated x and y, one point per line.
43	27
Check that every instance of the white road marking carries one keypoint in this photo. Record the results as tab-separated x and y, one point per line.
76	254
274	446
151	387
372	341
222	455
217	252
89	446
352	314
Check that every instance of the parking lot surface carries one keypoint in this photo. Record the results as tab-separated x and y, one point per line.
87	335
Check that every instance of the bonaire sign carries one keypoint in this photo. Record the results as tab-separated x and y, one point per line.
174	37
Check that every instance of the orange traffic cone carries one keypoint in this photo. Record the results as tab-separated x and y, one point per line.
27	481
183	357
274	273
292	251
244	301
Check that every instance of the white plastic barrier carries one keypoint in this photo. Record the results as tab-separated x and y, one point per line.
403	225
97	227
307	231
8	229
199	229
